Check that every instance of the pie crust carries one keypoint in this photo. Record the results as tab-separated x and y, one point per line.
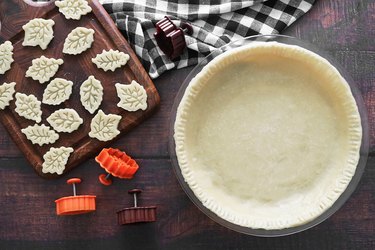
268	135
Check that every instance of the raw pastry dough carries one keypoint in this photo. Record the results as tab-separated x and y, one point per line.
28	106
56	159
43	68
65	120
38	32
73	9
40	134
91	92
78	40
6	94
104	127
57	91
268	135
111	60
132	96
6	56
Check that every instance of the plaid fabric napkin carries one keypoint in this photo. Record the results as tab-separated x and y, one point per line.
215	23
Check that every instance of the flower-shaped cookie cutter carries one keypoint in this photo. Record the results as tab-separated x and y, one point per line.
136	214
170	38
76	204
116	163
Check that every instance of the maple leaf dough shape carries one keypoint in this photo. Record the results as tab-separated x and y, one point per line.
6	56
78	40
38	32
6	94
91	92
56	159
132	96
28	106
110	60
57	91
65	120
43	68
104	127
40	134
73	9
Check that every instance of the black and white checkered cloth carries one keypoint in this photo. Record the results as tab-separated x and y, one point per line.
215	23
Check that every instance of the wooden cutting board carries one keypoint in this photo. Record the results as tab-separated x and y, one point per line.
14	14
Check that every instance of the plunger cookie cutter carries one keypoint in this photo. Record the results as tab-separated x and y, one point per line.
116	163
76	204
136	214
170	38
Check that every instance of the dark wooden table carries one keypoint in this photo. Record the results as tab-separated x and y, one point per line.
343	28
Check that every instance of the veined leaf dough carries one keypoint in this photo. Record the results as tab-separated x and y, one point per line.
78	40
40	134
57	91
6	56
56	159
104	127
38	32
73	9
65	120
43	68
268	135
28	106
132	96
110	60
6	94
91	92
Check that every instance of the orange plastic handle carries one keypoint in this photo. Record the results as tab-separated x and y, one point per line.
74	181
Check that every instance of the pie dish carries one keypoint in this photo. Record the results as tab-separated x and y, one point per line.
268	136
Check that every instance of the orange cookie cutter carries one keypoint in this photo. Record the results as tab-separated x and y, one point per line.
116	163
136	214
76	204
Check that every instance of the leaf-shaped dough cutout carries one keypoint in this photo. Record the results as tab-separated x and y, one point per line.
56	159
91	92
65	120
43	68
57	91
6	94
79	40
38	32
104	127
132	96
40	134
73	9
110	60
28	106
6	56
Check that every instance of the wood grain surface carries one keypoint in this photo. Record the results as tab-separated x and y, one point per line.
343	28
76	68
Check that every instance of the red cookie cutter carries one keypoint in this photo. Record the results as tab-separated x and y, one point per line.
115	163
76	204
170	38
136	214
